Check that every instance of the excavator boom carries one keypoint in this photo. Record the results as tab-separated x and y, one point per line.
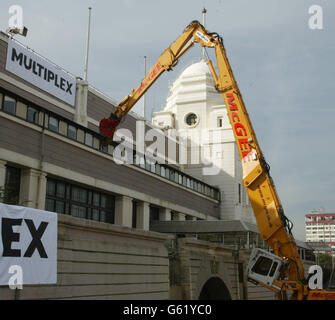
165	62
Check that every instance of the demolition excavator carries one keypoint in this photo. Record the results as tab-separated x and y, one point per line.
281	270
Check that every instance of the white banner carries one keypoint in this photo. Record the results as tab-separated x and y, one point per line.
29	66
28	245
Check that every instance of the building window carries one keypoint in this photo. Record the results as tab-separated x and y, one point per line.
72	132
154	213
79	194
63	197
142	162
32	115
78	211
103	147
188	183
239	193
53	124
213	193
191	119
163	171
153	167
172	175
12	185
180	179
9	105
134	220
220	122
88	139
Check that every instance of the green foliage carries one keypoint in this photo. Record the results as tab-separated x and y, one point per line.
324	259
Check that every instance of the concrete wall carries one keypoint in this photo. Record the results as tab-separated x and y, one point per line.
102	261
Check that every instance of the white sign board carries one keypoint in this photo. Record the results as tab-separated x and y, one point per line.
28	239
48	77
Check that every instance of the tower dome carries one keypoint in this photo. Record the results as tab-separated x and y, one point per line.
196	69
193	81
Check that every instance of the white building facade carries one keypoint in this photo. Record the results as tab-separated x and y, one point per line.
320	227
195	106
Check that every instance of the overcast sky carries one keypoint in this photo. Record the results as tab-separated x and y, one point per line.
284	69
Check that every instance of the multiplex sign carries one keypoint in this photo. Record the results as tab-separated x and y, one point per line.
29	66
28	239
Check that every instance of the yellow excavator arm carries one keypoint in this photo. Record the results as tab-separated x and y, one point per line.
274	227
169	58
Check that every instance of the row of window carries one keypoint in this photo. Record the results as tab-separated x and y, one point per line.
36	115
33	115
54	123
179	177
328	234
173	175
326	218
325	226
328	237
321	229
66	198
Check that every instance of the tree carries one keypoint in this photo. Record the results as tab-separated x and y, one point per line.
324	259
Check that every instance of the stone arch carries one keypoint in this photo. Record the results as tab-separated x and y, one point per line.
214	289
212	268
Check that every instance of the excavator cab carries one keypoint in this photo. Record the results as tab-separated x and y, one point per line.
264	268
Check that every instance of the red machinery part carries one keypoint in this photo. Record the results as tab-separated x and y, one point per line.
108	126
